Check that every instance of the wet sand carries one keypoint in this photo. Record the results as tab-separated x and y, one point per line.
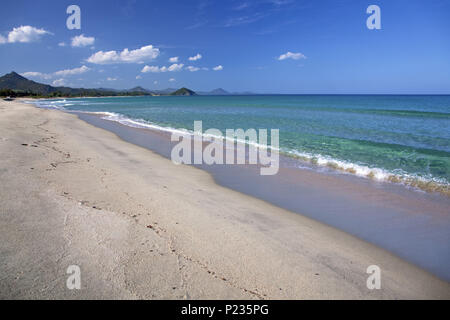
140	227
410	223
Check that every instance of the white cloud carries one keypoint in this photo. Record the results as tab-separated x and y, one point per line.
24	34
62	44
192	69
291	55
111	79
155	69
59	83
69	72
82	41
218	68
198	56
138	77
175	67
61	73
134	56
155	82
33	74
173	60
172	80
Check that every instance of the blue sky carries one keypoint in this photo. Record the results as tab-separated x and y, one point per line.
264	46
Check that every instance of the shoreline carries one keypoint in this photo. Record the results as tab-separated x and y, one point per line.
316	162
387	215
141	227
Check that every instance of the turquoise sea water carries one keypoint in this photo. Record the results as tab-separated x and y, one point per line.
404	139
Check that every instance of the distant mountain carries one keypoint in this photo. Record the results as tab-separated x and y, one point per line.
244	93
165	91
139	89
219	92
22	86
183	92
15	81
107	89
223	92
13	84
215	92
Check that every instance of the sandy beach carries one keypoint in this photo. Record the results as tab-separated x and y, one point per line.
141	227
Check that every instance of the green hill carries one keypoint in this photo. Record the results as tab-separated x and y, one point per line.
16	85
183	92
139	89
13	84
16	82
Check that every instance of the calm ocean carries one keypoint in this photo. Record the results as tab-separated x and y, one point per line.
402	139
